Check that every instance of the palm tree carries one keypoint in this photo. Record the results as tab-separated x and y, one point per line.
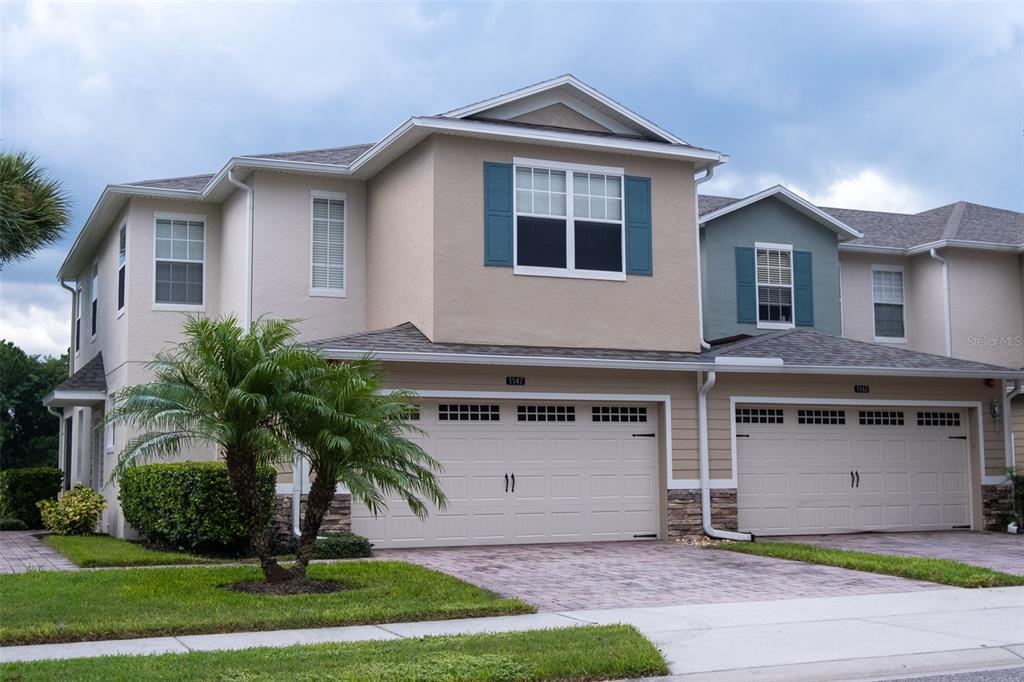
223	386
353	432
34	209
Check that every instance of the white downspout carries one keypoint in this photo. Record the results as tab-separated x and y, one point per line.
708	174
1011	445
945	300
705	466
247	313
297	471
71	347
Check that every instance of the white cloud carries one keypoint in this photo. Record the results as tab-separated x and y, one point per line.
872	190
868	189
35	317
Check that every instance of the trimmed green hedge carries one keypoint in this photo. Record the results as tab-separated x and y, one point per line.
332	546
190	505
21	489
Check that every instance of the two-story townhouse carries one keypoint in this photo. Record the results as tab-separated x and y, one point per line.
947	281
529	264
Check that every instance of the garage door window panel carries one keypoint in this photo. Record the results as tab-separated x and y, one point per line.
829	417
759	415
545	413
468	412
619	413
881	418
938	419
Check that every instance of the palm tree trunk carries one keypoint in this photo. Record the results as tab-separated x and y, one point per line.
244	476
321	493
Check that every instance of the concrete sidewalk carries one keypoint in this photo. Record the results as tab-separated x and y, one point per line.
830	638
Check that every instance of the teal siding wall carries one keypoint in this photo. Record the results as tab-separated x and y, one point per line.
768	220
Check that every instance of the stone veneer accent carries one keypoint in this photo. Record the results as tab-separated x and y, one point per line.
684	520
996	506
337	520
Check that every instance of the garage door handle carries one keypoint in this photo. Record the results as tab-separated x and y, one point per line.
643	435
958	437
858	479
851	479
506	482
513	482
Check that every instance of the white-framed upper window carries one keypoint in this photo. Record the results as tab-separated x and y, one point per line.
569	220
327	256
122	267
889	303
180	256
774	266
78	317
94	293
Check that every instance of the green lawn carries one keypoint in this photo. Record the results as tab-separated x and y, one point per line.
54	606
579	653
940	571
90	551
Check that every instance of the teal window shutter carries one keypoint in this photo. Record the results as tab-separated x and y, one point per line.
498	214
639	260
746	285
803	289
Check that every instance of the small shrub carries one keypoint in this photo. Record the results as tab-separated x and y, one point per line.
77	512
21	489
190	505
12	524
1017	482
341	546
330	546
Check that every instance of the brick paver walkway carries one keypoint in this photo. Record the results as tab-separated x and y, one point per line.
22	551
639	574
998	551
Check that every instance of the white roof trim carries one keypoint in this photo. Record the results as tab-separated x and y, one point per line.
926	247
721	364
579	85
74	397
793	200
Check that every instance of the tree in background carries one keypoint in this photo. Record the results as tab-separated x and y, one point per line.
28	432
34	208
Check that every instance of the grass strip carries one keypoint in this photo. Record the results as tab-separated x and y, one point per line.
91	551
60	606
577	653
942	571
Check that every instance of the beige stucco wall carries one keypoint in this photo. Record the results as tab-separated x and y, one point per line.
478	304
926	312
560	116
400	243
231	267
281	254
987	306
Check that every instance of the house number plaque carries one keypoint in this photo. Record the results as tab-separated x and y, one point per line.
861	388
515	381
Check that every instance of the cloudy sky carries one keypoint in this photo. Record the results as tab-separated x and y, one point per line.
887	106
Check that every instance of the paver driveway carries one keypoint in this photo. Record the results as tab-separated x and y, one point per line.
621	574
22	551
998	551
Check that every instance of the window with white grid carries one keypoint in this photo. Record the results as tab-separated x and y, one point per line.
327	260
887	294
829	417
545	413
938	419
597	196
467	412
759	415
180	255
774	286
619	413
881	418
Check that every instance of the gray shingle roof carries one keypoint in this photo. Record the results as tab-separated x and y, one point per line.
807	348
192	183
89	377
962	220
797	348
339	156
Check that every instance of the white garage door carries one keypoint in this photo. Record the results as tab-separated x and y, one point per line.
529	472
811	469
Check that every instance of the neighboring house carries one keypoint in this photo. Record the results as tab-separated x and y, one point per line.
529	264
947	281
